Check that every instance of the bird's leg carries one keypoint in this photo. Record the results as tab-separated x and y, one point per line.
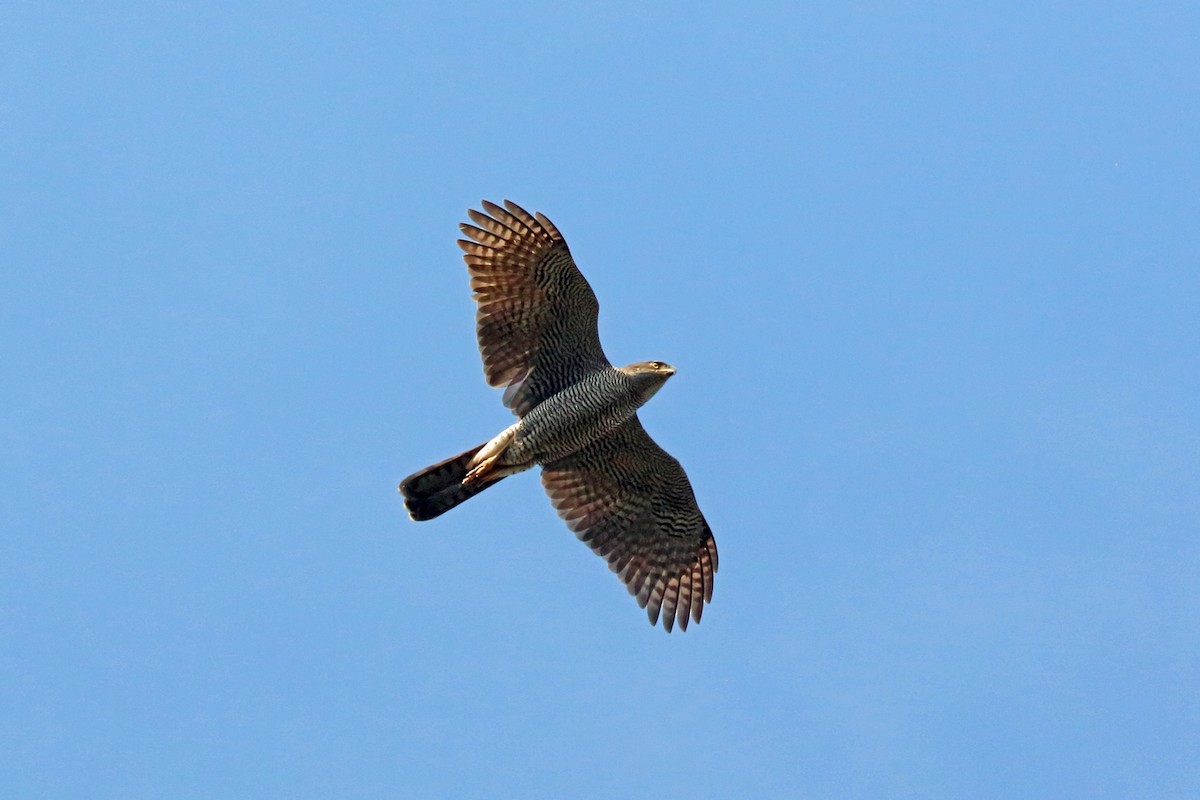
479	472
484	464
493	471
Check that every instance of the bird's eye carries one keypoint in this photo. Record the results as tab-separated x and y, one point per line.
656	365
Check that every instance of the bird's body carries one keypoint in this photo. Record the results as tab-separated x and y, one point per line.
620	492
583	412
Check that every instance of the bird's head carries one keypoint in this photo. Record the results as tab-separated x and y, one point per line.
648	376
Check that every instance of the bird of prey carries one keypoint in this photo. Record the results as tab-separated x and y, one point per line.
618	491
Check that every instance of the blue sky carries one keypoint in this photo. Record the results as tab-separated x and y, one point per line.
928	273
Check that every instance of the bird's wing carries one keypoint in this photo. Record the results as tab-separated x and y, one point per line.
536	316
631	502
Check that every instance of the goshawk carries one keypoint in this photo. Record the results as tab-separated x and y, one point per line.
618	491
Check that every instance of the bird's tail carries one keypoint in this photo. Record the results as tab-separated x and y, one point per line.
435	490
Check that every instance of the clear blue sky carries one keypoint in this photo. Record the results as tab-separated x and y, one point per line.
930	277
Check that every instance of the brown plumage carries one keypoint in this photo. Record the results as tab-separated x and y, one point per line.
618	491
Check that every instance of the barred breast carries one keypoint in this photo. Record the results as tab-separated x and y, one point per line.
574	418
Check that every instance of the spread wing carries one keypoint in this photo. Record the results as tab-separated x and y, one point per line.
536	316
631	502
